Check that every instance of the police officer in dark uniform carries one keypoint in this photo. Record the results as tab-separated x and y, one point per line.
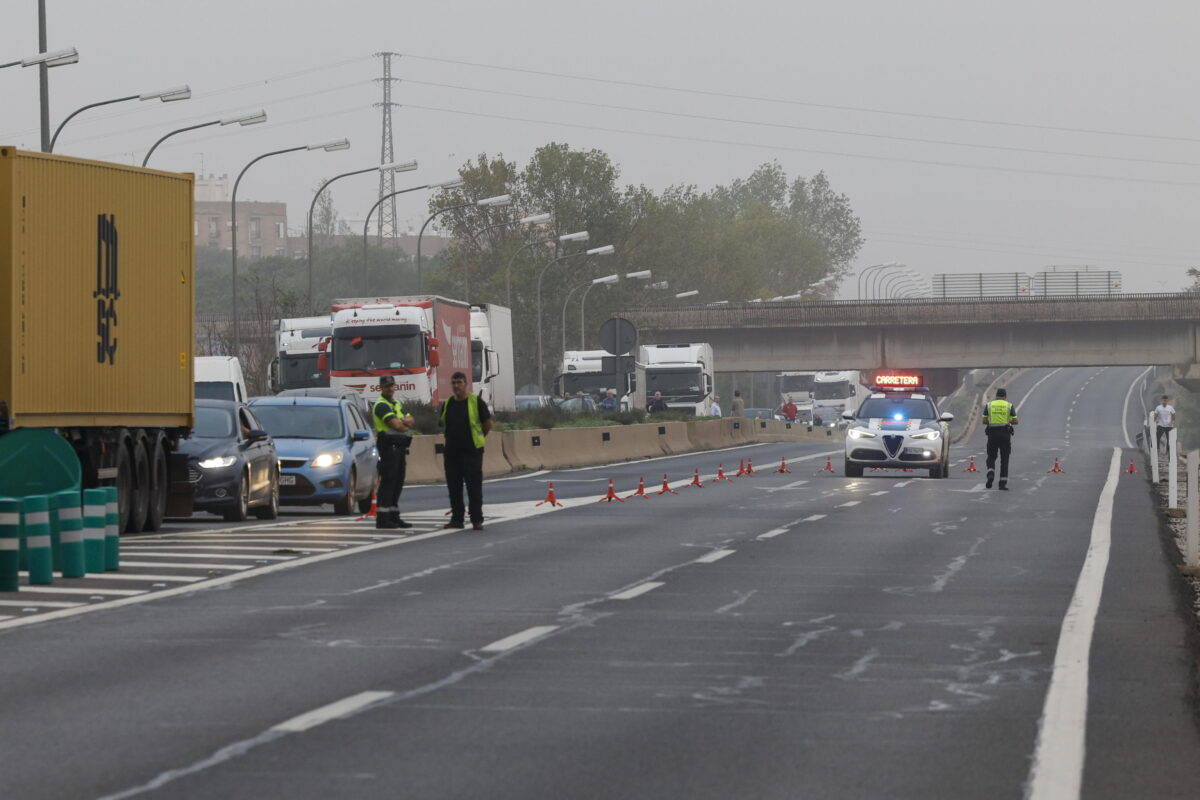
467	420
392	440
999	417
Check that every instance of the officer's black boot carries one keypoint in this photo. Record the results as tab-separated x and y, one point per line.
1004	484
991	475
397	522
384	519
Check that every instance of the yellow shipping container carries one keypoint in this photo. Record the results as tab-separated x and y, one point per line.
96	293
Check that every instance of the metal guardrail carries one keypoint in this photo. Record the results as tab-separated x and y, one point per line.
1182	307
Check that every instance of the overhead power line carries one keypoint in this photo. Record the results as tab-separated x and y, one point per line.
811	151
784	101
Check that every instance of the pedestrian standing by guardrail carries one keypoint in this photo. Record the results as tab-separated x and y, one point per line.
999	417
392	440
738	407
1164	420
714	410
467	420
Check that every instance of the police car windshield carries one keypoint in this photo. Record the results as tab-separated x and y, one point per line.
897	408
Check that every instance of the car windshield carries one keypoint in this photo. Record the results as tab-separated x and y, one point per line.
897	409
300	372
831	391
378	352
213	423
683	384
301	422
214	390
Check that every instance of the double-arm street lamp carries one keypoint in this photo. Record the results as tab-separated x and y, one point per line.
606	250
450	184
328	147
607	280
166	95
57	58
579	236
245	119
405	166
487	202
587	287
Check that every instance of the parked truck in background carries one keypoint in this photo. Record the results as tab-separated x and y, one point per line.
835	392
492	356
295	362
419	340
96	326
797	386
682	372
585	371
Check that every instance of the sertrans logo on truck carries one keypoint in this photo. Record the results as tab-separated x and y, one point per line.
377	389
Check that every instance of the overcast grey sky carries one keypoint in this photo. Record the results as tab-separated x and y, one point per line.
990	82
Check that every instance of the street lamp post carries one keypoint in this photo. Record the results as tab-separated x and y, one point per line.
166	95
606	250
406	166
487	202
879	276
607	280
381	201
328	147
245	119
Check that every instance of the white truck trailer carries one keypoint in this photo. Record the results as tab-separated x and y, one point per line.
492	370
296	351
682	372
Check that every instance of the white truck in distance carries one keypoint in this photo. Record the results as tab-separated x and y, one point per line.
833	393
492	356
421	341
296	351
682	372
797	386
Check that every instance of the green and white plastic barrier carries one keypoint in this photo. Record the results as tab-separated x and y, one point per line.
94	511
70	534
112	531
36	512
10	544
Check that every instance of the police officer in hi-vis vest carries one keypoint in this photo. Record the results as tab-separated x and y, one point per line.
466	419
392	440
999	417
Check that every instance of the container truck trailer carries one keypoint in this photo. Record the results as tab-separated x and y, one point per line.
96	325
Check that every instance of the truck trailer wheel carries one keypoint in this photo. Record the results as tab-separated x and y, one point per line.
139	496
159	486
124	482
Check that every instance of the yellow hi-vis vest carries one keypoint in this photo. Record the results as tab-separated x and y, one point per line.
999	412
380	423
473	415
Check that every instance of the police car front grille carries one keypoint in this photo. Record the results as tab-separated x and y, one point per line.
893	443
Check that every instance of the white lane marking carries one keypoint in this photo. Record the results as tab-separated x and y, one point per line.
133	576
5	616
510	478
787	487
773	533
813	518
1057	770
206	540
1025	399
901	484
26	590
343	707
849	503
39	604
527	635
715	555
135	549
636	591
881	491
692	454
979	487
160	564
143	553
1125	407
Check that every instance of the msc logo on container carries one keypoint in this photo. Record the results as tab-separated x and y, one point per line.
107	292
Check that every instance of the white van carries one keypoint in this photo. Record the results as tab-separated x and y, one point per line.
220	378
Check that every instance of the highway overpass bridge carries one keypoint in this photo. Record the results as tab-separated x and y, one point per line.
936	334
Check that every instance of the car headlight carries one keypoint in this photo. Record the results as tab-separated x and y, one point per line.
219	462
859	433
327	459
927	435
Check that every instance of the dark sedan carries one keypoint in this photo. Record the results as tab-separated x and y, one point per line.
232	462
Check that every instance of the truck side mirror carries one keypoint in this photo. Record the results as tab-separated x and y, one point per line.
434	358
490	359
433	342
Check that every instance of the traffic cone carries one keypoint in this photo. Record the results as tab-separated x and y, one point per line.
1132	470
666	487
696	479
1056	467
971	466
550	498
641	490
370	514
721	476
741	469
828	466
749	466
612	495
783	465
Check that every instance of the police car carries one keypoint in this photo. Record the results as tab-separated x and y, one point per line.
898	426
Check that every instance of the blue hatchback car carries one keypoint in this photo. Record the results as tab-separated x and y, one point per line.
326	451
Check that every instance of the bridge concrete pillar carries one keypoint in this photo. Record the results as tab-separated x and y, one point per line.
1187	376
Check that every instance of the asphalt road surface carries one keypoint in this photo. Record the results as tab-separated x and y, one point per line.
779	636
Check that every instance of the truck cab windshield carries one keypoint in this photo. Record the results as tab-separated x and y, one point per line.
300	372
676	384
831	391
587	382
405	351
795	383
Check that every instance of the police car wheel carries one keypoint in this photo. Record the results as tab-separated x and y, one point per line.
852	470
